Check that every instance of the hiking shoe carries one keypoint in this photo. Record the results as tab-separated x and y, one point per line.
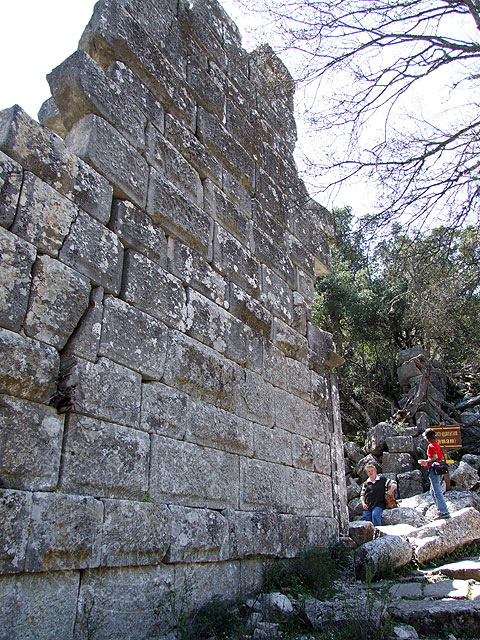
443	515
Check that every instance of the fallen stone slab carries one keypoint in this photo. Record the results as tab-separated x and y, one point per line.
464	570
456	615
382	555
406	590
457	589
440	537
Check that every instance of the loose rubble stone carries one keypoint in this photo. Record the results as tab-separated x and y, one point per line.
361	532
376	441
16	259
465	476
31	444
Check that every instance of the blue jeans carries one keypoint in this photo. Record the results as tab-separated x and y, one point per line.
436	490
374	515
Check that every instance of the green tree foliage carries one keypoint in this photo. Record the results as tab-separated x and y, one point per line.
405	291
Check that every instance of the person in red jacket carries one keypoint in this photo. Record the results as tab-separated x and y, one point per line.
434	452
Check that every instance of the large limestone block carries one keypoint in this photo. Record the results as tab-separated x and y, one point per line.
202	159
309	493
274	254
272	196
101	146
105	460
299	379
272	444
50	117
299	416
322	458
361	532
254	533
190	266
204	581
410	483
165	411
11	175
31	444
178	215
85	340
39	606
133	338
213	134
226	212
250	311
43	153
292	343
65	533
236	261
297	532
352	451
320	343
253	399
134	533
44	216
263	486
15	510
149	287
179	471
401	444
136	230
376	441
206	20
28	369
172	166
103	390
277	295
397	463
382	555
274	365
185	368
465	476
80	87
95	251
440	537
302	452
59	296
403	515
197	535
219	429
125	603
16	260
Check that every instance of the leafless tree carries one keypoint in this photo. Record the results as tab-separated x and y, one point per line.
371	64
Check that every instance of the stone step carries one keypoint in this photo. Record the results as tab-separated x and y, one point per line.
429	616
464	570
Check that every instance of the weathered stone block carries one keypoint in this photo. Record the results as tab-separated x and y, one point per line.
302	452
306	286
23	614
361	532
249	311
150	288
103	389
197	154
165	411
263	486
208	580
253	399
114	34
43	153
105	460
301	313
274	255
28	369
465	476
16	260
212	133
292	343
299	379
237	120
59	296
295	532
137	231
401	444
125	603
320	390
98	143
133	338
277	295
80	87
219	429
254	533
64	532
226	212
352	451
319	344
44	216
188	265
299	416
206	86
178	215
376	440
410	483
274	365
179	469
272	444
271	196
50	117
397	462
197	535
11	175
134	533
205	23
95	251
172	166
309	493
85	340
31	444
380	555
15	509
234	260
237	191
201	372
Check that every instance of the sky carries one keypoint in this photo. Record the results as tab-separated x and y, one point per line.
38	35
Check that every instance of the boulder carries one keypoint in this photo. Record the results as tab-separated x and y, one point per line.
382	555
472	460
361	464
465	476
436	539
353	489
401	444
407	354
376	441
276	607
403	515
355	508
352	451
397	463
361	531
409	483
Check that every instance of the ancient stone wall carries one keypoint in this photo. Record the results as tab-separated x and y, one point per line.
168	411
